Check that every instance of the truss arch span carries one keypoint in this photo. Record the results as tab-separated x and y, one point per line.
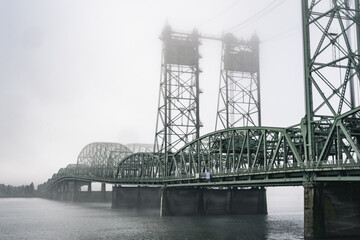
239	150
100	159
140	165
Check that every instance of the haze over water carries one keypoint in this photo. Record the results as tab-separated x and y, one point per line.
45	219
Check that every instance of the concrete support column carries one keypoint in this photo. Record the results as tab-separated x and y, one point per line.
163	205
114	198
136	197
75	191
181	201
332	210
262	201
89	187
62	192
67	193
103	191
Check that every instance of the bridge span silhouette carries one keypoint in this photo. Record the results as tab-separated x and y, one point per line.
226	171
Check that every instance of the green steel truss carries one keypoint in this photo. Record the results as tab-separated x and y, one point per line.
141	165
331	61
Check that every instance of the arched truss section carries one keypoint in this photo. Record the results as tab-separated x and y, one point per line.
265	149
101	159
54	177
140	165
140	147
239	150
62	172
71	170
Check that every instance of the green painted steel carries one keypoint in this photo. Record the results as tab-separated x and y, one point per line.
325	146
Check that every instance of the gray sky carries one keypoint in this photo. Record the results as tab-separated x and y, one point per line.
76	72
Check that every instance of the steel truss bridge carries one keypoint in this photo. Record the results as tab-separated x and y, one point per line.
324	147
246	156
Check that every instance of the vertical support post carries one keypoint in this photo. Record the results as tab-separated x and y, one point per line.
114	198
75	191
262	207
314	224
308	85
352	89
62	191
256	50
103	191
308	211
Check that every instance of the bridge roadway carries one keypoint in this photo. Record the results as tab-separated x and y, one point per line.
288	177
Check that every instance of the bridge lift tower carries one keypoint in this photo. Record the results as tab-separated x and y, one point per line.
331	126
178	120
239	90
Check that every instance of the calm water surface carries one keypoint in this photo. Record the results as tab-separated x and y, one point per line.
45	219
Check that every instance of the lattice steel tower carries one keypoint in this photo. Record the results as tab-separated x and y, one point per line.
331	127
239	90
178	111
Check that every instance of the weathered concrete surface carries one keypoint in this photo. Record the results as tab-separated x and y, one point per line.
332	210
136	197
202	201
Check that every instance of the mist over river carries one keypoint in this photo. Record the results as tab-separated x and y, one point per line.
36	218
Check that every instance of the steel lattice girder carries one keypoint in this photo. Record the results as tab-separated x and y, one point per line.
178	111
140	165
332	58
101	159
239	91
331	62
257	149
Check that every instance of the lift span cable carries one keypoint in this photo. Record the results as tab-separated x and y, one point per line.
257	16
285	33
231	6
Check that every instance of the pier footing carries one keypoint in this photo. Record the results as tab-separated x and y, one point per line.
136	197
203	201
332	210
192	201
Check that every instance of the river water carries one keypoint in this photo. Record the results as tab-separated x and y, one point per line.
45	219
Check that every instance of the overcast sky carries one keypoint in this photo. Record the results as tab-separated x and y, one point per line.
76	72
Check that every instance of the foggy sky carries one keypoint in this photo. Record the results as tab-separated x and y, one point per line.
76	72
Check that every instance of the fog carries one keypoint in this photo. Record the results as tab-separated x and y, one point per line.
76	72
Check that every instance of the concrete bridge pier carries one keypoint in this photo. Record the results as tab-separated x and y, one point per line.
103	191
57	192
136	197
75	191
332	210
206	201
91	196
